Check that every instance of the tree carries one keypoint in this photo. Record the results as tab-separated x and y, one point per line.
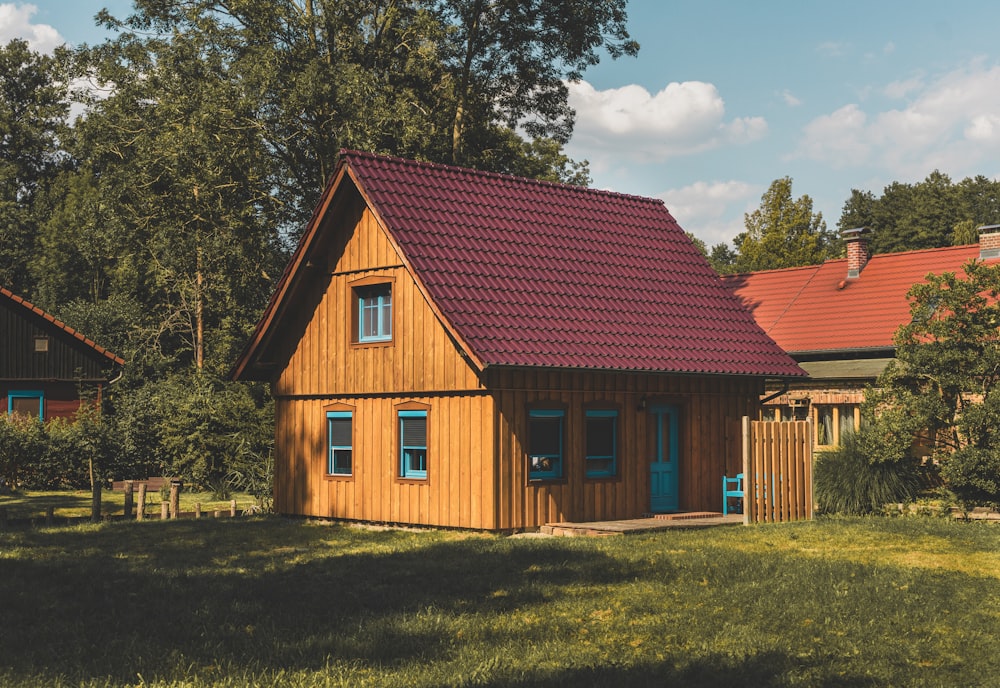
439	80
943	388
929	214
33	107
509	61
782	233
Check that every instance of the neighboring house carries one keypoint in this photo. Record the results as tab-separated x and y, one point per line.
456	348
46	367
838	320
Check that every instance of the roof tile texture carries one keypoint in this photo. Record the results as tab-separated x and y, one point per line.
537	274
816	308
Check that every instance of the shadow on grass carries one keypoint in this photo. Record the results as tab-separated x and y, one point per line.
174	600
136	599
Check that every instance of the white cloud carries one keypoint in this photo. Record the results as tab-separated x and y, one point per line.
15	22
713	212
790	99
951	123
900	89
681	119
889	48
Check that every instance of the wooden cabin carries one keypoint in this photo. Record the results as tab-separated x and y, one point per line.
456	348
46	367
838	320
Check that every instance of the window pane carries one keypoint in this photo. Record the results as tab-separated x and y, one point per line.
600	437
846	420
545	430
340	432
27	406
824	426
341	462
414	432
413	444
340	441
374	312
545	436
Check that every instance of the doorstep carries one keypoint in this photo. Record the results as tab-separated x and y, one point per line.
650	522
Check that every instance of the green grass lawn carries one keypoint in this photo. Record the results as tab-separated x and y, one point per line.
273	602
33	504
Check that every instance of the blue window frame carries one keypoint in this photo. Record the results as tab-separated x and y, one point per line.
374	313
545	444
339	433
602	442
26	402
413	444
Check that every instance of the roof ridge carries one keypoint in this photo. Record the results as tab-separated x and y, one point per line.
506	176
24	303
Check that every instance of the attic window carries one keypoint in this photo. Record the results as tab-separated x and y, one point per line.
41	345
373	305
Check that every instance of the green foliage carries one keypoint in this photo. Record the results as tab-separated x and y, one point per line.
278	602
195	427
60	453
22	441
847	481
33	107
941	395
973	475
929	214
782	233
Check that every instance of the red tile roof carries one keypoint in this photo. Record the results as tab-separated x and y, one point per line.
530	273
816	308
20	302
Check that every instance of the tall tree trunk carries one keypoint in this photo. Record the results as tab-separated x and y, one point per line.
458	124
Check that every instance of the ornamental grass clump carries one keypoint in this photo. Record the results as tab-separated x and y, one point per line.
847	481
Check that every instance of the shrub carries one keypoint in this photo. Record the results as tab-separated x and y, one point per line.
846	481
973	474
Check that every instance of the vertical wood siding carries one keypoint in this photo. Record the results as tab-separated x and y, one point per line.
421	364
710	442
477	463
65	359
458	489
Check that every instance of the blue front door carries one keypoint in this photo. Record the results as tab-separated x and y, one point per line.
663	467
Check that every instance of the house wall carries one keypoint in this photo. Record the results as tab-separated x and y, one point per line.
421	365
61	374
711	409
477	466
59	399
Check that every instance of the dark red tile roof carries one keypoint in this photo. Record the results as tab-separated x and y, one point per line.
817	309
20	302
531	273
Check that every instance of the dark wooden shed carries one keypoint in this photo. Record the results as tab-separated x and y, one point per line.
456	348
46	367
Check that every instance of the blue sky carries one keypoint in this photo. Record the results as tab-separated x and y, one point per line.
726	96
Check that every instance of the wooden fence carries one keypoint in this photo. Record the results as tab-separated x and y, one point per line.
777	471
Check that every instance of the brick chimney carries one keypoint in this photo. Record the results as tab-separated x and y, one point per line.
857	250
989	242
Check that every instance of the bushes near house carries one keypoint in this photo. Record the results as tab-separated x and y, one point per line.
973	475
848	480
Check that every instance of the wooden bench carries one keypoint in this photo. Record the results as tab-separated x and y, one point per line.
152	484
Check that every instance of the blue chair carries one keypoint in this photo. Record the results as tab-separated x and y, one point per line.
732	488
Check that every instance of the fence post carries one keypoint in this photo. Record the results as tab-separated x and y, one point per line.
128	499
175	498
232	508
747	475
50	515
164	511
140	513
197	509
